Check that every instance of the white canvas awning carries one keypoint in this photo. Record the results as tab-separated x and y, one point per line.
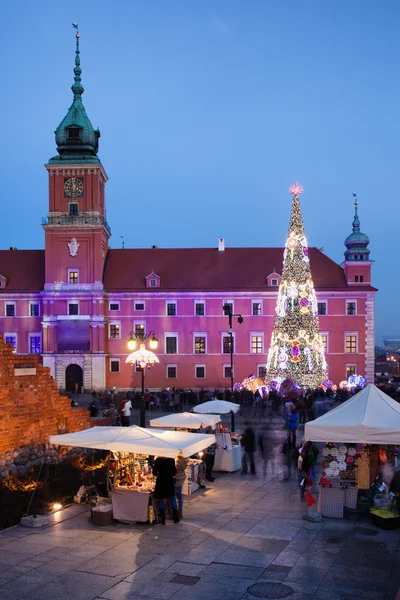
217	407
137	440
370	417
185	420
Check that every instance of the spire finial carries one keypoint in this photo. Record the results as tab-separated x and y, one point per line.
77	86
356	220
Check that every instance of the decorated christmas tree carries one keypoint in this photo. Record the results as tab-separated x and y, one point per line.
296	350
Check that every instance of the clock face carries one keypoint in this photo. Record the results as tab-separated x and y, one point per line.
73	187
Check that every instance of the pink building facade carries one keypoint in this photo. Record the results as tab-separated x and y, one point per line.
76	302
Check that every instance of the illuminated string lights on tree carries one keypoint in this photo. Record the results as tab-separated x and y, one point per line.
297	349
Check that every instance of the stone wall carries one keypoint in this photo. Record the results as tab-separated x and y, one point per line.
31	410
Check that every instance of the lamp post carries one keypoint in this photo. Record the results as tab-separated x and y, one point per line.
142	358
228	312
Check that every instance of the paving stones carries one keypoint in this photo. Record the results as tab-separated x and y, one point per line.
270	590
185	579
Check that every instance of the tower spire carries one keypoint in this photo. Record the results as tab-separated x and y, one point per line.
357	242
77	86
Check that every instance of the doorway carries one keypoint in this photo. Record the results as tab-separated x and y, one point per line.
73	376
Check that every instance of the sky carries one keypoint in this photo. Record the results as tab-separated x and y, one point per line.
208	111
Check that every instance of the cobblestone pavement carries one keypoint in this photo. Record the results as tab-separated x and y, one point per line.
242	538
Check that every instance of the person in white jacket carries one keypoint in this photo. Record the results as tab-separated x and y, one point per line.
126	413
181	464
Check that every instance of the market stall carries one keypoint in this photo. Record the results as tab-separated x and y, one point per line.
129	471
228	455
360	435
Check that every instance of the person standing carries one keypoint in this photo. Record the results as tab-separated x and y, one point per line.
181	463
292	425
209	460
126	413
164	470
248	443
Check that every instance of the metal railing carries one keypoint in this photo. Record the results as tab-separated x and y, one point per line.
76	220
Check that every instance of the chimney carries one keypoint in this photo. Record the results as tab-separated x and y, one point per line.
221	244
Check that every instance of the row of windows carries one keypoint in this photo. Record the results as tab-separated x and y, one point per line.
34	342
200	370
10	309
351	308
199	308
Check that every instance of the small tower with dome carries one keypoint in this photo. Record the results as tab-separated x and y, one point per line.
357	264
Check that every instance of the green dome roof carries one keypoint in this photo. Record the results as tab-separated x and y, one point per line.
77	140
357	242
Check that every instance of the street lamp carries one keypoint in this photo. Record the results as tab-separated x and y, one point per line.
143	358
228	312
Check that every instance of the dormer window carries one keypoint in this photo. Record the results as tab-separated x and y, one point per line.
74	133
153	280
274	282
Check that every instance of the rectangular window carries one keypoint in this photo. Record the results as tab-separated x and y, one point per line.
115	331
351	308
199	309
171	345
200	371
262	372
350	370
153	282
256	309
356	278
73	209
73	308
34	309
139	305
274	282
73	277
200	345
351	344
227	308
322	308
114	306
171	372
227	372
361	278
325	342
10	310
11	339
35	344
139	329
114	365
226	344
171	309
256	344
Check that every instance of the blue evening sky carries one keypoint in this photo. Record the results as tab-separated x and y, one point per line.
208	111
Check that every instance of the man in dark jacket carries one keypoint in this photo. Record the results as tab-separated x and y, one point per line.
248	443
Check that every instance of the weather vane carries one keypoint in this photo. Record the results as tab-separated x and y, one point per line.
355	199
296	189
76	26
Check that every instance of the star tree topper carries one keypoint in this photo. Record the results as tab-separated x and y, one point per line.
296	189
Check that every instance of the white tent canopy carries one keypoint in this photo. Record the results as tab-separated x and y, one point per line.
216	407
137	440
185	420
370	417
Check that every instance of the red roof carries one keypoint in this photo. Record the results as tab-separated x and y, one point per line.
24	270
207	269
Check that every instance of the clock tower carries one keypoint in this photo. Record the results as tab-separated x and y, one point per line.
76	244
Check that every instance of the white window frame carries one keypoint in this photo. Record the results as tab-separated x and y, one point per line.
259	366
203	302
117	360
226	334
202	366
253	302
199	334
256	334
153	283
139	322
114	302
351	365
34	303
227	365
274	282
176	370
326	307
31	335
73	302
139	302
73	271
10	303
168	334
351	302
166	308
228	301
353	334
109	330
12	334
326	334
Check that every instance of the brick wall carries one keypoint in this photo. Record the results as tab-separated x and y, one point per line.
31	407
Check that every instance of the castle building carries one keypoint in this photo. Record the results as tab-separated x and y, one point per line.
76	302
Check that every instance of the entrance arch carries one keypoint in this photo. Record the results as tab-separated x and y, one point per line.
73	376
